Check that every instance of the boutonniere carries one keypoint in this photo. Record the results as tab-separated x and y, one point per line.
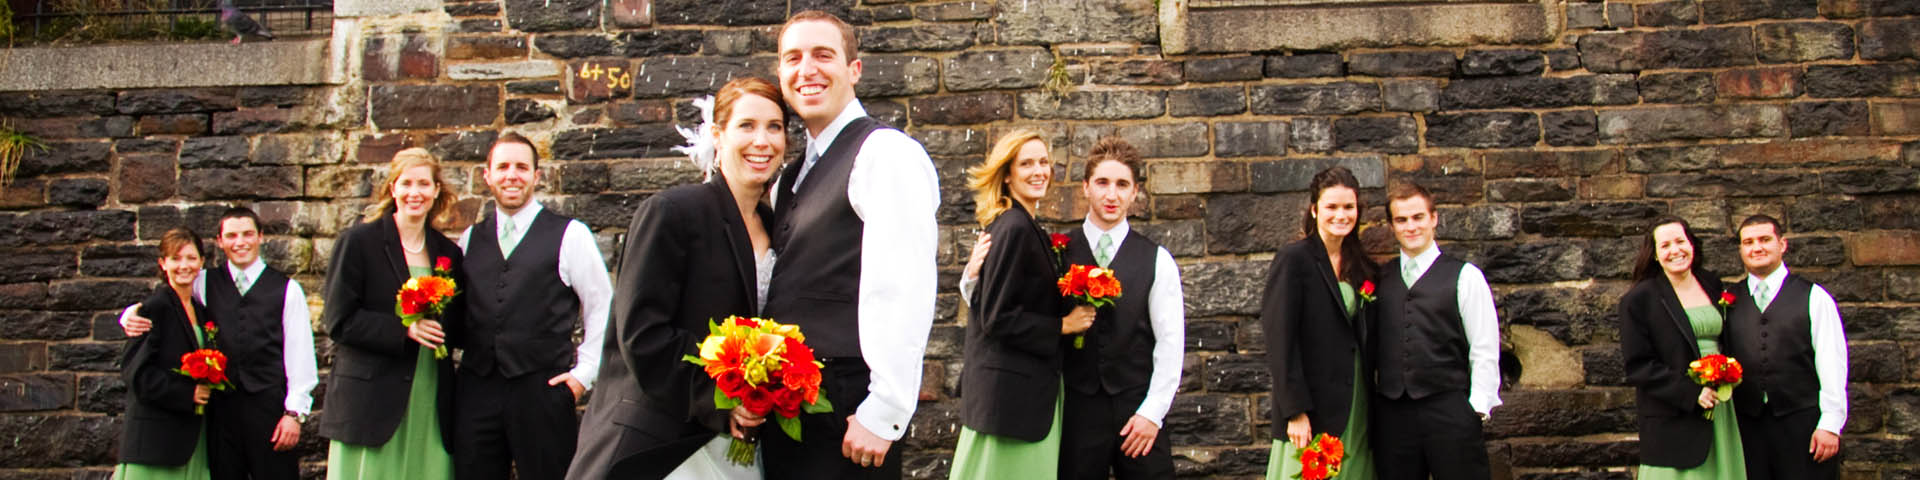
1725	302
1366	291
1059	241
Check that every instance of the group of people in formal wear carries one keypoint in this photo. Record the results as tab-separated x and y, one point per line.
1399	360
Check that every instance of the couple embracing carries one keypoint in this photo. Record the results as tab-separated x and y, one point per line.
786	244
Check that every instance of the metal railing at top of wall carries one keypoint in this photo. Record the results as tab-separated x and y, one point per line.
49	20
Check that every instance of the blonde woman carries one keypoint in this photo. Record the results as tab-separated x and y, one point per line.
1017	326
387	396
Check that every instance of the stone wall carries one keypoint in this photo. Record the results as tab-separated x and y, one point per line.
1546	157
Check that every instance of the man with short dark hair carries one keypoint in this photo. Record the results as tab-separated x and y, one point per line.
266	333
1436	351
533	275
1786	331
856	237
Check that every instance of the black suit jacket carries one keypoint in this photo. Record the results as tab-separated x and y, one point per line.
1013	344
373	360
687	261
1311	343
161	427
1657	343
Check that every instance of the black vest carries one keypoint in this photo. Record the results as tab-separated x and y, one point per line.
520	315
816	282
1775	346
1118	353
1420	344
250	327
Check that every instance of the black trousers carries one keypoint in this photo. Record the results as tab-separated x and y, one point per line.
818	457
1090	439
1438	435
240	436
1776	445
518	424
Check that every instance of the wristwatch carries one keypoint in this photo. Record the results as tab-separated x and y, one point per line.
298	417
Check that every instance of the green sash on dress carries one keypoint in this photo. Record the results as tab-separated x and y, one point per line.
989	457
1725	460
415	451
1281	461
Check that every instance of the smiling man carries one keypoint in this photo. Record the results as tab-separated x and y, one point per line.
856	237
1436	352
1786	331
533	274
266	332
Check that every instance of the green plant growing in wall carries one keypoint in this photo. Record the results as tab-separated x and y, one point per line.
1058	82
13	146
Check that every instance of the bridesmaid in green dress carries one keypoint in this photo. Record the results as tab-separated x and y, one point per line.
1667	320
1315	323
165	438
1017	324
387	395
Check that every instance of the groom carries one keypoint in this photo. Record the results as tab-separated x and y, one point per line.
856	236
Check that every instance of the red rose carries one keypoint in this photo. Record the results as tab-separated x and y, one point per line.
1366	287
1059	241
787	402
744	322
757	401
731	384
443	263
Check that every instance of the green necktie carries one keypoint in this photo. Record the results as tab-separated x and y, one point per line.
1100	250
508	239
1761	296
1409	271
243	282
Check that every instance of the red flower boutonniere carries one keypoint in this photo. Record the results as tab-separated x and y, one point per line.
1059	242
442	265
1725	302
1366	291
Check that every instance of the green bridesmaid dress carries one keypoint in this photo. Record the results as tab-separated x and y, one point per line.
1282	464
194	469
983	456
416	450
1725	460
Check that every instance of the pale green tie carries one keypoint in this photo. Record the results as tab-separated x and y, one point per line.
1409	271
508	237
1100	250
242	282
1761	296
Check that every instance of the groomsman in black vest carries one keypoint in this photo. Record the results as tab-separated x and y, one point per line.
1436	353
856	237
266	333
533	275
1785	330
1120	384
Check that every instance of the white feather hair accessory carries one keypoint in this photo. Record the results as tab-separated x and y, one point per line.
700	142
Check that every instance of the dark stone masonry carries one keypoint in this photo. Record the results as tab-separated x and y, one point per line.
1547	158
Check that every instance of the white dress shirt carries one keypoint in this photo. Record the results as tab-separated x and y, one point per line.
1166	311
582	269
1481	321
1829	346
296	333
894	190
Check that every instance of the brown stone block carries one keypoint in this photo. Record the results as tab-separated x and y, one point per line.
241	183
1896	118
23	357
252	120
962	109
631	13
1648	125
595	81
1169	207
180	124
433	106
1531	163
380	148
1612	187
1879	247
473	47
1807	153
24	193
395	57
1778	82
1195	177
28	393
146	177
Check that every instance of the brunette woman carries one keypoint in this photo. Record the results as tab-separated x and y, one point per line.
166	436
1668	320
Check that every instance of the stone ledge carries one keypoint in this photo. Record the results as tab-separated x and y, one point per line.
283	62
1214	26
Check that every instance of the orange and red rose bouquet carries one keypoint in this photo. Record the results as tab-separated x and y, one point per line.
766	367
206	366
1088	285
1320	459
427	297
1719	372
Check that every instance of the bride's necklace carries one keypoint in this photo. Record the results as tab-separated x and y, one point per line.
419	249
